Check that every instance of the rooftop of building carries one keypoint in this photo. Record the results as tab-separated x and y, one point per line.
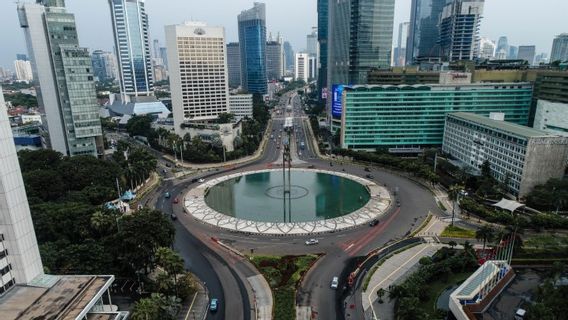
140	106
56	297
362	87
502	125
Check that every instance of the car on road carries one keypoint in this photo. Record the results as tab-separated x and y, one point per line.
374	222
176	200
369	176
201	180
367	169
214	305
168	165
173	216
312	242
194	180
167	195
334	282
398	203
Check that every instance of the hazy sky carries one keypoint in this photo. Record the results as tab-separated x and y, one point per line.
521	22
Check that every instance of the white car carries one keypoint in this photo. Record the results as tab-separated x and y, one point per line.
312	242
334	282
201	180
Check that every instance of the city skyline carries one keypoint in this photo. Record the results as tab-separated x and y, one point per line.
96	13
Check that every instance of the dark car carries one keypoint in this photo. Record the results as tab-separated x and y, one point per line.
367	169
173	216
374	222
369	176
194	180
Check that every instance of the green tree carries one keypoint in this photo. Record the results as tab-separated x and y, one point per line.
139	126
226	117
485	233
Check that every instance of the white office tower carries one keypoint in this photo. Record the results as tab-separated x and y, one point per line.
22	263
302	67
23	70
197	61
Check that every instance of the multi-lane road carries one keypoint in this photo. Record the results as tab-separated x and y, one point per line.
225	274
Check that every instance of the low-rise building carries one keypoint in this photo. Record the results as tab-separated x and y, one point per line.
551	117
520	157
240	105
412	117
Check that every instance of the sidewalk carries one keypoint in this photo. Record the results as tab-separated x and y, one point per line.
196	307
262	297
434	227
393	271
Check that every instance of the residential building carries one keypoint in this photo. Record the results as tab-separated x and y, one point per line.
66	87
312	43
487	48
23	70
411	117
234	64
198	72
289	57
105	65
520	157
323	49
559	48
399	54
274	56
252	41
358	41
424	31
130	26
459	29
527	53
302	67
241	106
551	117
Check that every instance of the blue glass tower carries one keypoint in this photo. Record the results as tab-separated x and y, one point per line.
252	40
424	31
130	25
323	16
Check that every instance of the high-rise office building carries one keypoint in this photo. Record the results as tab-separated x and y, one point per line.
486	48
22	56
164	56
17	236
323	49
252	41
527	53
424	31
198	72
105	66
503	45
274	56
234	64
302	67
64	74
312	43
289	57
513	52
541	58
130	26
23	70
559	48
459	29
156	47
358	41
399	54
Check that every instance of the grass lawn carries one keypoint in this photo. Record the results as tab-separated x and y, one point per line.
457	232
436	288
283	274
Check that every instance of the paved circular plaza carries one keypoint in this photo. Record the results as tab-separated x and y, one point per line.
195	205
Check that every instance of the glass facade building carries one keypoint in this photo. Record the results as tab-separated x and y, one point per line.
65	75
234	64
323	18
130	26
252	41
413	116
459	30
424	30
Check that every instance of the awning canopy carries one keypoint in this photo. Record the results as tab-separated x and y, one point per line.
509	205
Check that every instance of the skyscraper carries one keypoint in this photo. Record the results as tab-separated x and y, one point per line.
64	73
459	29
274	55
302	67
17	236
288	57
252	41
130	26
322	40
399	55
23	70
198	72
358	40
527	53
502	45
513	52
156	47
234	64
424	31
105	66
312	43
486	48
559	48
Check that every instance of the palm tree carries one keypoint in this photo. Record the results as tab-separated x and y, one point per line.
145	309
381	293
485	233
172	263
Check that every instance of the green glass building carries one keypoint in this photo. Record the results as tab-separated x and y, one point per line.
411	117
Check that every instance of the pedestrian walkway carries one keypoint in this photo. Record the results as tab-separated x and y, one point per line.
196	307
434	227
262	297
393	271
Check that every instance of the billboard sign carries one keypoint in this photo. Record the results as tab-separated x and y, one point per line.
336	103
